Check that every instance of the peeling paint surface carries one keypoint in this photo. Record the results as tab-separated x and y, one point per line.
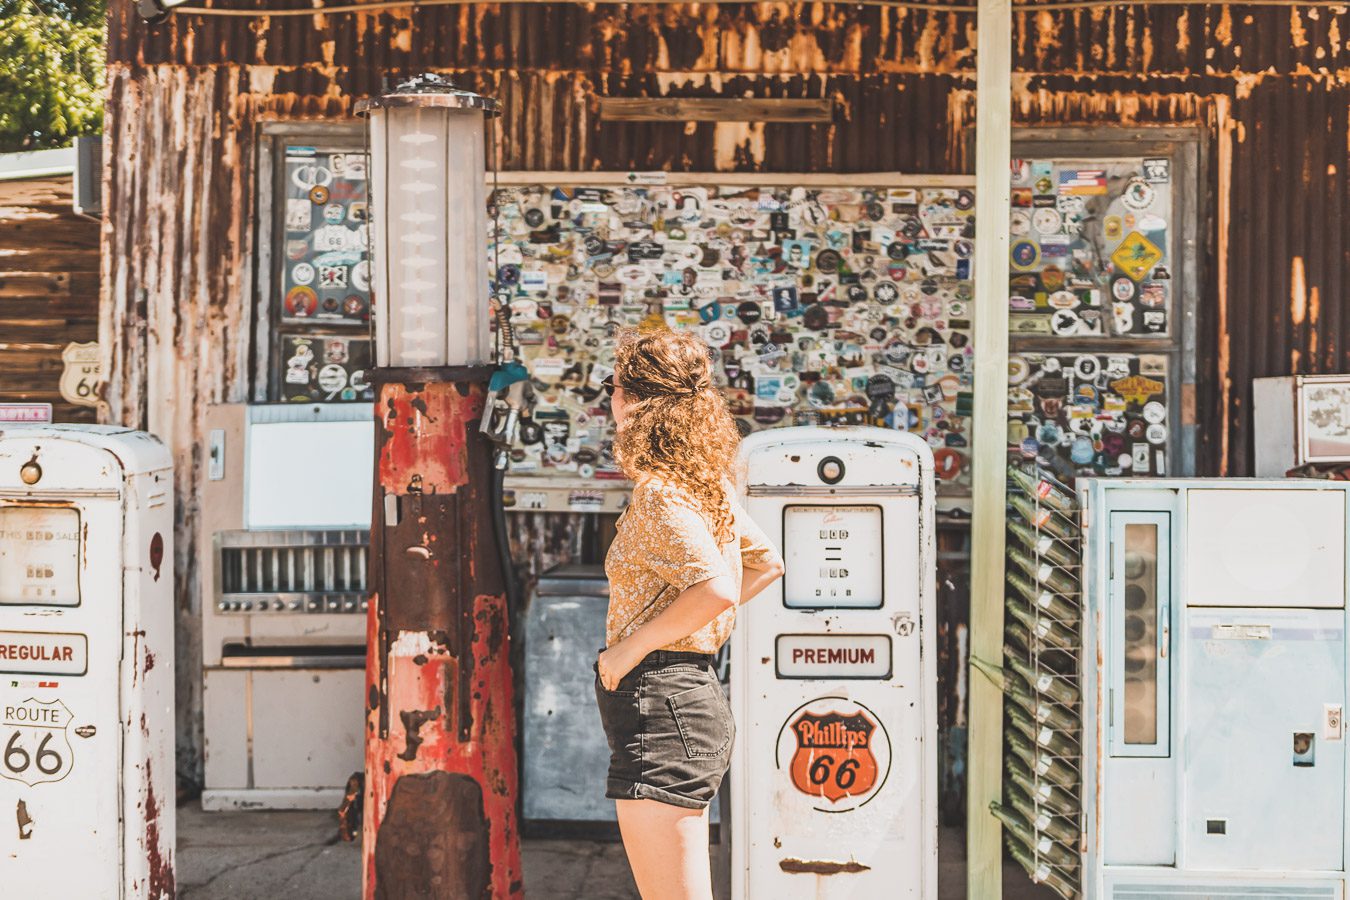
441	772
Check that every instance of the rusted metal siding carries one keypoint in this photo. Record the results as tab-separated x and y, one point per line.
49	259
1268	87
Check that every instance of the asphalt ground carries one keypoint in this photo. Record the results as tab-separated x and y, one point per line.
285	855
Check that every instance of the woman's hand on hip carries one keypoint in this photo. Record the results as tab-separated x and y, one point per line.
615	662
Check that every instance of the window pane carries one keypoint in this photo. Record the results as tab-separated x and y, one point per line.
1141	634
322	292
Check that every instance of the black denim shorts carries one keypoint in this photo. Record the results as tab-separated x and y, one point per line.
669	728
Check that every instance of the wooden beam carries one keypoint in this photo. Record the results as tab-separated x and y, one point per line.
700	109
993	150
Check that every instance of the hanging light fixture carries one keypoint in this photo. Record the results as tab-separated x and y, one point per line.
429	223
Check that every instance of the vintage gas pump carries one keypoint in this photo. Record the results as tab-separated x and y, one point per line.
833	679
86	662
1214	649
440	794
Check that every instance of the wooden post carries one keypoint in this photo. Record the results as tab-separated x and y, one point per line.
993	151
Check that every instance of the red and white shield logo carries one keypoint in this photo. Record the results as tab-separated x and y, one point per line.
833	757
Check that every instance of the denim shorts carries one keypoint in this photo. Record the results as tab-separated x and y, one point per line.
669	728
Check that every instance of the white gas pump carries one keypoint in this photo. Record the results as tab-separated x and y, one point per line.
833	674
86	662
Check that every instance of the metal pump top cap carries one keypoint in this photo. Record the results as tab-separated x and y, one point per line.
429	89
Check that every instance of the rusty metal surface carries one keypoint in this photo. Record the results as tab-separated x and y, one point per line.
1269	87
439	811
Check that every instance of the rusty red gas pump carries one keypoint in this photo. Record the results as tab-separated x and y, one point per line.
440	774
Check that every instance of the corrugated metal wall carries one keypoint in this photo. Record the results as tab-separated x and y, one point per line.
1269	88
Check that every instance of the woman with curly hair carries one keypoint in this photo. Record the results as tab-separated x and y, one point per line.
686	555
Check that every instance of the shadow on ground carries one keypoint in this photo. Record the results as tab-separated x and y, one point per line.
268	855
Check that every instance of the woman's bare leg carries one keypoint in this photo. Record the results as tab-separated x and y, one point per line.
667	848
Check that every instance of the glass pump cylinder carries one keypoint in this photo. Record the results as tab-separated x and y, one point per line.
429	225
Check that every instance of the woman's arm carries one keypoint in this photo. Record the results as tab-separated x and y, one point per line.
756	578
696	606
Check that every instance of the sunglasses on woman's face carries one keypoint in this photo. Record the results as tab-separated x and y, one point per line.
608	384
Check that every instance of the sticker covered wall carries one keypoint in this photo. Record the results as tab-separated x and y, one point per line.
1090	248
819	305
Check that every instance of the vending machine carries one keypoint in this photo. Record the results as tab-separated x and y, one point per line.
1213	693
285	514
834	768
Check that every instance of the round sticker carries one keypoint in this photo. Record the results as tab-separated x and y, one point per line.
318	194
1154	412
749	311
1138	194
828	261
332	378
947	463
301	302
1050	364
353	306
1064	321
1024	255
1087	367
334	213
361	275
1156	434
1063	300
856	293
297	248
1019	223
1081	450
534	217
886	293
302	273
1047	220
717	333
1136	429
1123	288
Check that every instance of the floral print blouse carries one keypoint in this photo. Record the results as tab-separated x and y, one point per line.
663	546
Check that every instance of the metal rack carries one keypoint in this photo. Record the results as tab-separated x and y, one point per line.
1041	678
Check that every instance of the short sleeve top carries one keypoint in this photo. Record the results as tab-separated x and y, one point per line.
663	546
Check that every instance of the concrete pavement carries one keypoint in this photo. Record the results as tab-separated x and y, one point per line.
272	855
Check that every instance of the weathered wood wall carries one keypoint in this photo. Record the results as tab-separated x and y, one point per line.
49	290
1269	88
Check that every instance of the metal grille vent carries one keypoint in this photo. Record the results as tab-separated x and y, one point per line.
299	571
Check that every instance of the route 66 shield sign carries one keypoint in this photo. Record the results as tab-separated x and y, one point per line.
34	741
80	377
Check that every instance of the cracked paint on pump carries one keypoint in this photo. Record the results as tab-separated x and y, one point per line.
440	789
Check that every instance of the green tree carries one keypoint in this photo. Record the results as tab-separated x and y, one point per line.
51	71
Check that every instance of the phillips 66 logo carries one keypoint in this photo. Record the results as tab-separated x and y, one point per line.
835	750
34	745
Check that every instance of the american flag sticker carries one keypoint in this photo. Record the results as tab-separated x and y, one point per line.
1082	182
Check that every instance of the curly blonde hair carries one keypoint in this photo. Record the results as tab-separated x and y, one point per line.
678	426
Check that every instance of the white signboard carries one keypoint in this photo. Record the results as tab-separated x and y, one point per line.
39	555
833	656
43	653
832	556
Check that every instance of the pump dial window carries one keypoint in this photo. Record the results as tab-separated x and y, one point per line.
39	556
832	557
